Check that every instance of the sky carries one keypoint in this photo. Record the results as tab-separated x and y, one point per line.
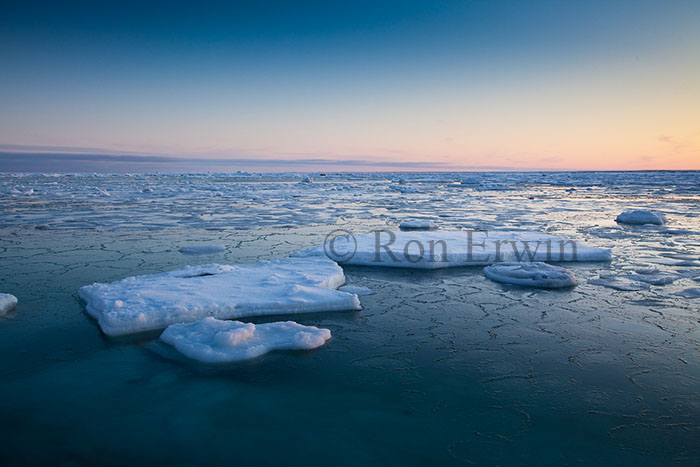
333	85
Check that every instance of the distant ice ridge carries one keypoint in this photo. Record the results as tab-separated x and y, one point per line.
418	225
541	275
202	249
443	249
7	302
290	285
640	217
211	340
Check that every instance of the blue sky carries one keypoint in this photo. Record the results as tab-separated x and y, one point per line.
459	84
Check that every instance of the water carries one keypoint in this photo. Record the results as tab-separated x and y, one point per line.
439	366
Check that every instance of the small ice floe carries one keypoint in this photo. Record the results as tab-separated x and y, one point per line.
418	225
620	283
540	275
215	341
202	249
7	302
357	290
280	286
452	248
693	292
640	217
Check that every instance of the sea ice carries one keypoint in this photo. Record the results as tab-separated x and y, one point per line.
202	249
658	278
280	286
418	225
7	302
211	340
356	289
531	274
641	217
693	292
444	248
620	283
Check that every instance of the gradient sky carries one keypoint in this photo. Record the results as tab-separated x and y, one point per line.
512	84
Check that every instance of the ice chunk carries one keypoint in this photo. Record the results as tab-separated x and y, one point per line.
291	285
531	274
641	217
693	292
620	283
7	302
202	249
444	248
418	225
215	341
356	289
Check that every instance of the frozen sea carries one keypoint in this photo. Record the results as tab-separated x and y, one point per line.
438	367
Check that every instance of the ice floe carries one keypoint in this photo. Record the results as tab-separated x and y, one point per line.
202	249
418	225
541	275
7	302
640	217
211	340
279	286
443	248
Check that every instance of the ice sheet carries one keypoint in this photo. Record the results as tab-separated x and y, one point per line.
280	286
442	249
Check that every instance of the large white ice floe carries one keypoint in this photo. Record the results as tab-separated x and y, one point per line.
280	286
640	217
541	275
418	225
211	340
444	248
7	302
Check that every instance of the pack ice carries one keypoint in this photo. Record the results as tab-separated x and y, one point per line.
215	341
7	302
443	248
290	285
541	275
640	217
